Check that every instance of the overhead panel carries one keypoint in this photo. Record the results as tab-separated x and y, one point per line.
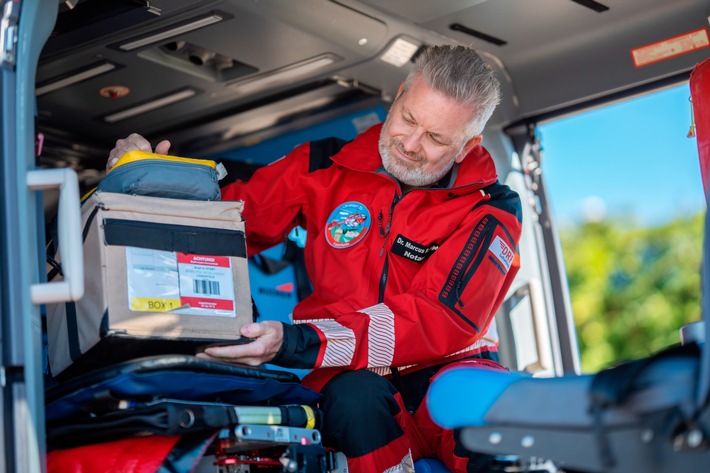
524	37
183	63
422	11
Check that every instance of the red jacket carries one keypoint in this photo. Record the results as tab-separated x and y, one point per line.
401	279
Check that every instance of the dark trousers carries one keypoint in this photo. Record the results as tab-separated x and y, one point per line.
379	423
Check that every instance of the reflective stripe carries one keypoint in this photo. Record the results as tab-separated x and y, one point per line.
405	466
381	370
339	344
380	335
340	341
478	344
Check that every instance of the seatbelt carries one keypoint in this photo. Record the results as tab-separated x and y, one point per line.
295	254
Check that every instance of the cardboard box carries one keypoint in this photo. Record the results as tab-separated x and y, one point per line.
161	276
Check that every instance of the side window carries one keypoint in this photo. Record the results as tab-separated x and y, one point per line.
625	188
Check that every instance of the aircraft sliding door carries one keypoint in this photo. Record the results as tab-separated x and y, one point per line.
540	306
24	26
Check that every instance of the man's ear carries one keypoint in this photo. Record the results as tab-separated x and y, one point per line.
470	144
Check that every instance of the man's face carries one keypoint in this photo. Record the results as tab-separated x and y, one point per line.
423	135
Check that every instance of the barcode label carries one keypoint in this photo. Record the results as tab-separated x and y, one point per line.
203	286
206	285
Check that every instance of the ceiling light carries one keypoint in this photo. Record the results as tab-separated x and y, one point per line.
150	106
170	32
74	77
400	52
284	75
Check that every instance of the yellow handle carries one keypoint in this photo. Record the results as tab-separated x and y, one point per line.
137	155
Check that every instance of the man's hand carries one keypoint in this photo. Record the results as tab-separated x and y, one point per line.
132	143
268	335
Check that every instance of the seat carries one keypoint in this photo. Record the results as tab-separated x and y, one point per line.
559	419
429	465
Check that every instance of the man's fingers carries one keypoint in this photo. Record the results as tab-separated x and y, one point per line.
133	142
110	163
235	354
245	350
253	330
139	143
163	147
244	361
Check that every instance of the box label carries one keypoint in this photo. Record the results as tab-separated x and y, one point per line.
165	281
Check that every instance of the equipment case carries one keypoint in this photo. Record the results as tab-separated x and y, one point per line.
162	275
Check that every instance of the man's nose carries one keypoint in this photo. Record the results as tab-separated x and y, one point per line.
412	141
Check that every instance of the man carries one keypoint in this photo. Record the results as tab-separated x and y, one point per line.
414	285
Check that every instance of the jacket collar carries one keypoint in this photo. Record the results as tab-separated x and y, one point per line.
477	169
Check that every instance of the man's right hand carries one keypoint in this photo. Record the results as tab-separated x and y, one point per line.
268	337
134	142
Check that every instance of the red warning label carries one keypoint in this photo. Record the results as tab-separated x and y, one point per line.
671	47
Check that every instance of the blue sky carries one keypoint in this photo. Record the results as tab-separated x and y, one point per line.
631	160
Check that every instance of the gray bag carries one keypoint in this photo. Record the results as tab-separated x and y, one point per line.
141	173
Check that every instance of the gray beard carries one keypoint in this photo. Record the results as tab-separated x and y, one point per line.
414	175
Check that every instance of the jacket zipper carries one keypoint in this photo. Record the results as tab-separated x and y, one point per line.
385	233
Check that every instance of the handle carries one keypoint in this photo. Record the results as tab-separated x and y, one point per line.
540	325
70	242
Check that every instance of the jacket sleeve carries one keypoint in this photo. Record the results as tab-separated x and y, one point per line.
273	199
449	305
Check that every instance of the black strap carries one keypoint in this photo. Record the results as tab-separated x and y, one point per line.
322	150
295	254
52	249
170	237
52	245
72	330
269	265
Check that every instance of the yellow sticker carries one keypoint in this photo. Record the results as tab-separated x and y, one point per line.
152	304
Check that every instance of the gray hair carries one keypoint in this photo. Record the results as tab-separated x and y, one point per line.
459	73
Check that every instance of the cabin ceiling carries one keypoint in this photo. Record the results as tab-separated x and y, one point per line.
195	71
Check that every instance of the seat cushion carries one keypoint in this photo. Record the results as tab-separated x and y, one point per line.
429	465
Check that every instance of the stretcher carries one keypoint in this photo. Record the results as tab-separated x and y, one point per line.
177	410
181	414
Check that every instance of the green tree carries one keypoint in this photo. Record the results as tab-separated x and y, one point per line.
632	288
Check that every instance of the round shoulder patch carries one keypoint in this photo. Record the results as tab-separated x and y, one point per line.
347	224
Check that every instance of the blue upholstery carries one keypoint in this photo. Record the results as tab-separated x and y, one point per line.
462	396
429	465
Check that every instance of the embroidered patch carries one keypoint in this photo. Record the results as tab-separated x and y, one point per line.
502	252
412	250
347	225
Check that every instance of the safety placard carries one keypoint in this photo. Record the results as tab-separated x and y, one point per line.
165	281
671	47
